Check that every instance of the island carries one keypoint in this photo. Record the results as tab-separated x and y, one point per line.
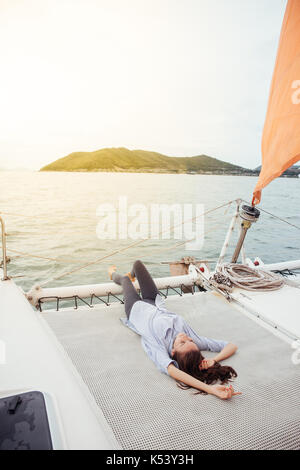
142	161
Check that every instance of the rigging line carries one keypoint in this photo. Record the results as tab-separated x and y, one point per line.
276	216
88	231
15	214
279	218
58	260
38	216
77	261
228	207
61	260
185	241
138	242
172	247
72	218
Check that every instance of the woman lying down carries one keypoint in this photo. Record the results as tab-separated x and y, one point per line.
170	342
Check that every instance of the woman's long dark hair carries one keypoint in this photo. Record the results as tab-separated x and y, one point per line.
189	363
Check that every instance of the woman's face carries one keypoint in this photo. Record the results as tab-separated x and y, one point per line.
183	344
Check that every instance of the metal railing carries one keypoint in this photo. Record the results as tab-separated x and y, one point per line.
38	295
90	303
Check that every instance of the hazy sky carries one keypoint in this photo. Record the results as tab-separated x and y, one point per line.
181	77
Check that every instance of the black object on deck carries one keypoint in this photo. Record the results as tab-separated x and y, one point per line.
24	422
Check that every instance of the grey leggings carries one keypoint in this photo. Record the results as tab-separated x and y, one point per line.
148	288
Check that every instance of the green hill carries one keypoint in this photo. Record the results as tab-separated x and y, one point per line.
124	160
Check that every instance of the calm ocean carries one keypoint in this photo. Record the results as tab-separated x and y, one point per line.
53	215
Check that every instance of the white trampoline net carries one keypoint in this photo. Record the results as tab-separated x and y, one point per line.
145	408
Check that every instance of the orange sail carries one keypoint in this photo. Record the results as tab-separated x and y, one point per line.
281	134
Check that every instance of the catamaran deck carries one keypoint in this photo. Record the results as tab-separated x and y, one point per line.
146	410
279	308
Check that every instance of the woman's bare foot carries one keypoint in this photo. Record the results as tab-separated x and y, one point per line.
112	269
132	278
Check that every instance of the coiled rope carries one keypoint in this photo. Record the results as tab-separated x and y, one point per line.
240	275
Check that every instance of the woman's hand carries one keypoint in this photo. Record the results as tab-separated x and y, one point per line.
223	391
206	363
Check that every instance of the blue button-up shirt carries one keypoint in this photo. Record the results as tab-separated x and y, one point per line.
158	329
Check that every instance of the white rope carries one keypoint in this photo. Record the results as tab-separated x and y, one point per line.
240	275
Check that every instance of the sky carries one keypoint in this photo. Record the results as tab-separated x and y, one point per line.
180	77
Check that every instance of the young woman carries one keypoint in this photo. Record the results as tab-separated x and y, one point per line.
169	341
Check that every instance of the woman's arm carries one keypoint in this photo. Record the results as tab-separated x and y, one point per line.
226	352
220	391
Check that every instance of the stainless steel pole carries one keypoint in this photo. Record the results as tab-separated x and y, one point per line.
249	215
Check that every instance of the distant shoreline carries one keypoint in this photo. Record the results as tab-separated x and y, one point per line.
143	172
155	172
253	175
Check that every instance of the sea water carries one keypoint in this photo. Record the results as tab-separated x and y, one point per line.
54	215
